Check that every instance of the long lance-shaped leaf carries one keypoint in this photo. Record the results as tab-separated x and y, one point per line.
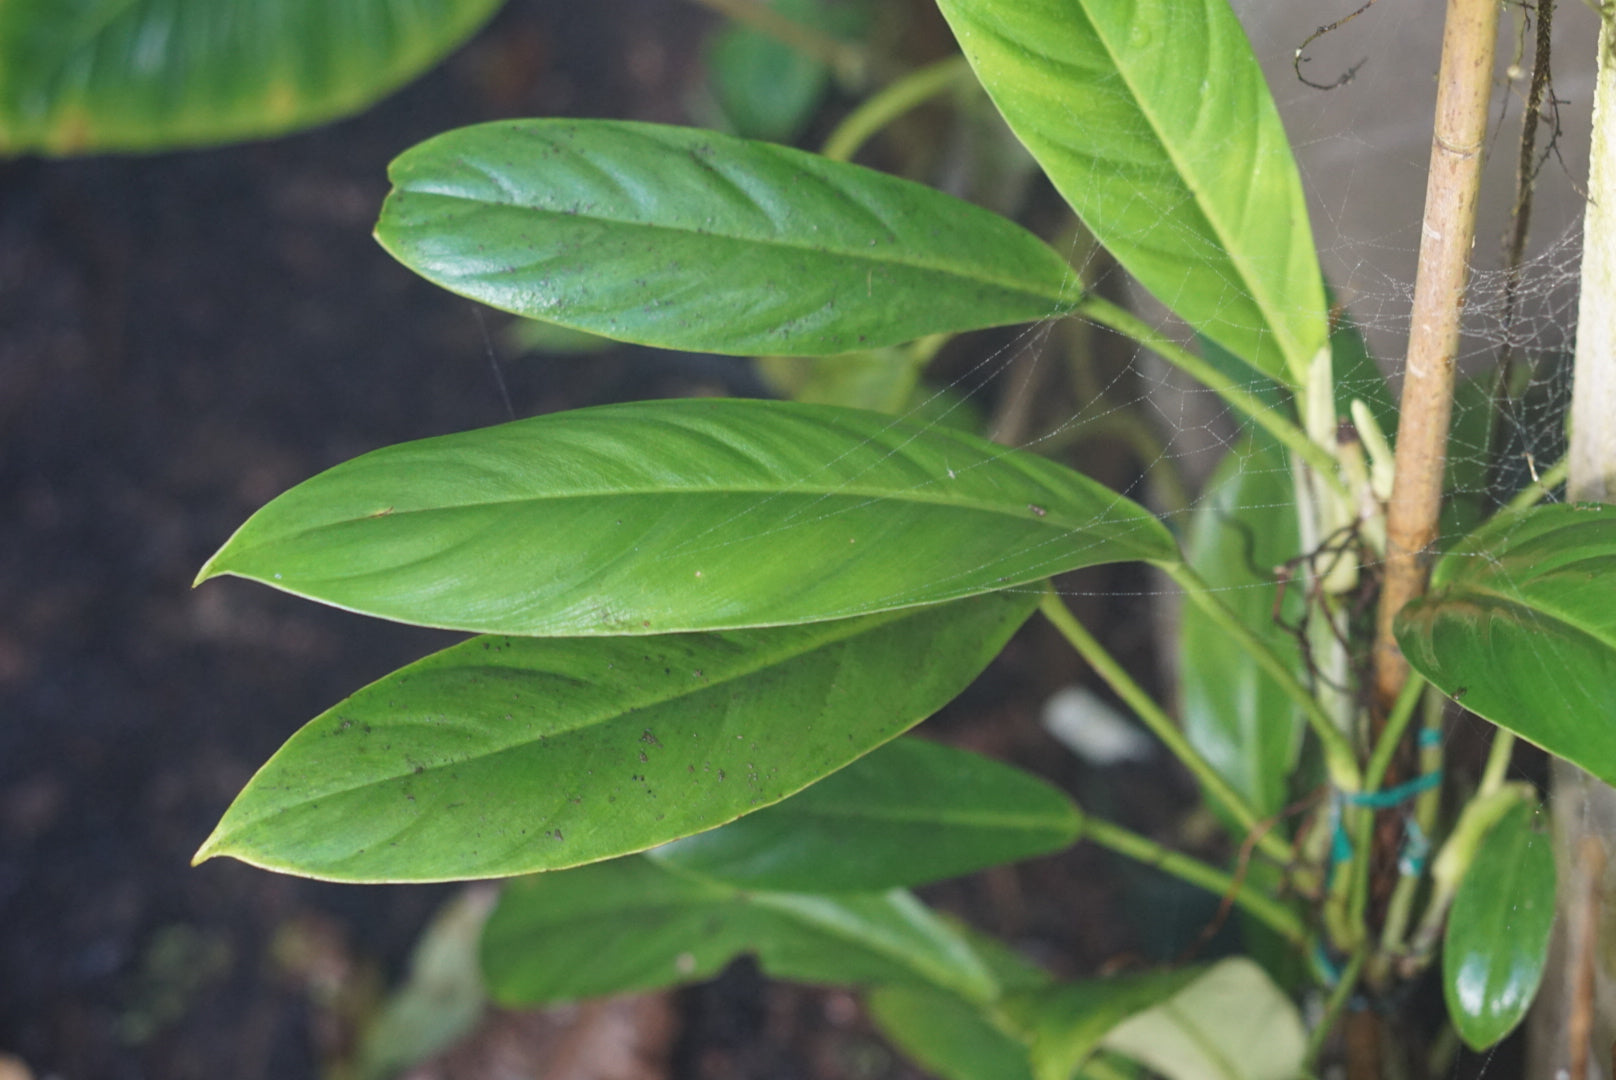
1520	627
631	924
1233	711
689	239
1153	120
95	75
682	515
507	755
907	814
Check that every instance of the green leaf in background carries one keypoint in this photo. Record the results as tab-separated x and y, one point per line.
1152	118
1231	1023
1233	712
631	924
506	755
908	813
948	1036
1520	627
442	997
881	380
689	239
767	89
667	516
1066	1023
1498	930
83	76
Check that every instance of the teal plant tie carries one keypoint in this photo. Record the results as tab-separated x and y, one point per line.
1393	796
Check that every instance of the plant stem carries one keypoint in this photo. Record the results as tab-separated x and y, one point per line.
1391	735
1339	996
1276	916
1156	719
850	61
1265	415
1340	759
891	102
1534	493
1457	144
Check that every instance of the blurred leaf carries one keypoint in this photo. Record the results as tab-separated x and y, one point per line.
1231	1023
631	924
1498	930
1195	192
1066	1022
531	335
948	1036
908	813
83	76
882	380
1520	627
767	89
689	239
1233	712
668	516
505	755
442	996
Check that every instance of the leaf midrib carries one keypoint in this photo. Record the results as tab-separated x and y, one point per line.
1061	298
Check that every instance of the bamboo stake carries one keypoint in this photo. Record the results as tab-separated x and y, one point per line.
1447	235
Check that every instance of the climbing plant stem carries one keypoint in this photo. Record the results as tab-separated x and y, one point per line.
1275	915
1156	719
1265	415
891	102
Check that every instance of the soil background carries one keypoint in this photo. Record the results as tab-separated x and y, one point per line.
182	337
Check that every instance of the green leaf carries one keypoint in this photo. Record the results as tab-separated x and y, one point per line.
882	380
767	89
1520	627
1232	1023
442	997
1234	713
1498	930
688	239
909	813
631	924
80	76
506	755
1066	1022
668	516
1152	119
948	1036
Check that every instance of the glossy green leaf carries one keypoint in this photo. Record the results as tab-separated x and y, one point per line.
632	924
909	813
1498	930
1153	120
948	1036
81	76
681	515
1231	1023
506	755
1520	627
1065	1023
689	239
1234	713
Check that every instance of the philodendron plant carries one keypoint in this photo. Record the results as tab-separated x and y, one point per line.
703	627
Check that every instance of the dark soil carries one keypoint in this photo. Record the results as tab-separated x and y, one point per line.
181	338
